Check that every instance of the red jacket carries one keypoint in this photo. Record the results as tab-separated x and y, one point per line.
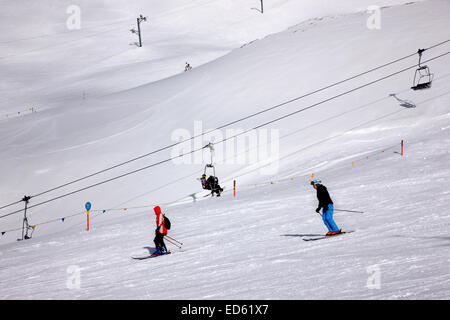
160	220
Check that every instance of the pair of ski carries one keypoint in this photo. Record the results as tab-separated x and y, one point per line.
153	255
327	237
158	254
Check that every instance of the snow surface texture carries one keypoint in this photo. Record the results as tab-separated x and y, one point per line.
100	100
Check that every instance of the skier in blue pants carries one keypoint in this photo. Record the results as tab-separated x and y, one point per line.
327	216
326	204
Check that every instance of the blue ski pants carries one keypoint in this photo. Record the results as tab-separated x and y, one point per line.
327	216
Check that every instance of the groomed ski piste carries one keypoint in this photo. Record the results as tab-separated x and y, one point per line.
81	101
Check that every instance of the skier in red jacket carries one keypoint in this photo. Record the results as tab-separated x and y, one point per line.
160	232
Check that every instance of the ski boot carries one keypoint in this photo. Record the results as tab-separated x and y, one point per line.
333	233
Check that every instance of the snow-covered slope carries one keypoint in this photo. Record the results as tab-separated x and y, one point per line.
232	247
102	57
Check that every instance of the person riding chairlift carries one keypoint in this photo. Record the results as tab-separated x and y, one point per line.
212	183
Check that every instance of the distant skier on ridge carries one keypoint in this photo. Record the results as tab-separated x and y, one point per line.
326	204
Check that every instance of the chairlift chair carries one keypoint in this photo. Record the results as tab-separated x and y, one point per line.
423	78
210	166
213	183
206	177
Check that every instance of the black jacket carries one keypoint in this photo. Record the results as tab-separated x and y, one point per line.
324	197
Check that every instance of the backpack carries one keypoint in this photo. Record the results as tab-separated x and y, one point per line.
167	223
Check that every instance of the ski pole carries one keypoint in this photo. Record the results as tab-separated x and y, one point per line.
179	247
175	244
174	239
348	211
